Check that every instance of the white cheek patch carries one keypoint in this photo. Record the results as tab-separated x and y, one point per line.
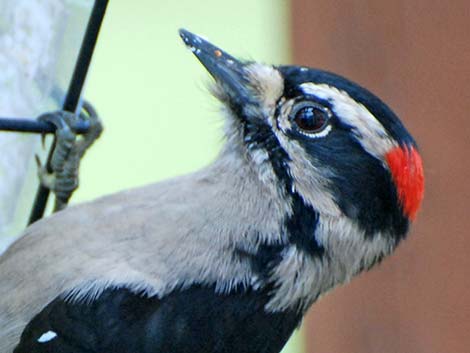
46	337
369	131
308	180
302	278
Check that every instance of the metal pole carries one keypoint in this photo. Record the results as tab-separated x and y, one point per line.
74	90
35	126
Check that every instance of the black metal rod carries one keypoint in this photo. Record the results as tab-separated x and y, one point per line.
74	91
84	56
35	126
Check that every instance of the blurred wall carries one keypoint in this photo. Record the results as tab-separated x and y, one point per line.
416	56
151	92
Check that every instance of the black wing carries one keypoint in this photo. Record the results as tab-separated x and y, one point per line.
195	320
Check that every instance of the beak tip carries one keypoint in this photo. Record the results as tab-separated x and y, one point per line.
223	67
183	34
191	40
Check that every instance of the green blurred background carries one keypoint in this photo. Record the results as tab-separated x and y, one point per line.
152	93
160	120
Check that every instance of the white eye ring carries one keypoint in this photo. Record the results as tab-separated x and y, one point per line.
320	134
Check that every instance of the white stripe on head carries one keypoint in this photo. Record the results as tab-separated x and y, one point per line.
369	131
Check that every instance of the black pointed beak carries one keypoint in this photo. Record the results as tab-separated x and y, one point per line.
226	70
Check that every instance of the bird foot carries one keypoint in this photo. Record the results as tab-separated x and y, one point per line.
62	178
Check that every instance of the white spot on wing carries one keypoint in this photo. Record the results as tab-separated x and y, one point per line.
46	337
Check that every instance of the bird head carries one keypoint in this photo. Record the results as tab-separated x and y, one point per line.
332	146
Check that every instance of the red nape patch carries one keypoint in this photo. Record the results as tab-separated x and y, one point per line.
407	172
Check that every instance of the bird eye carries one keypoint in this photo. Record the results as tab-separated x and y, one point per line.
310	118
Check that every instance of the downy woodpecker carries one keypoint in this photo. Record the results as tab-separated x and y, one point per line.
318	180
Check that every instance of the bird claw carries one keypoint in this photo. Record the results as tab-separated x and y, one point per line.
69	149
